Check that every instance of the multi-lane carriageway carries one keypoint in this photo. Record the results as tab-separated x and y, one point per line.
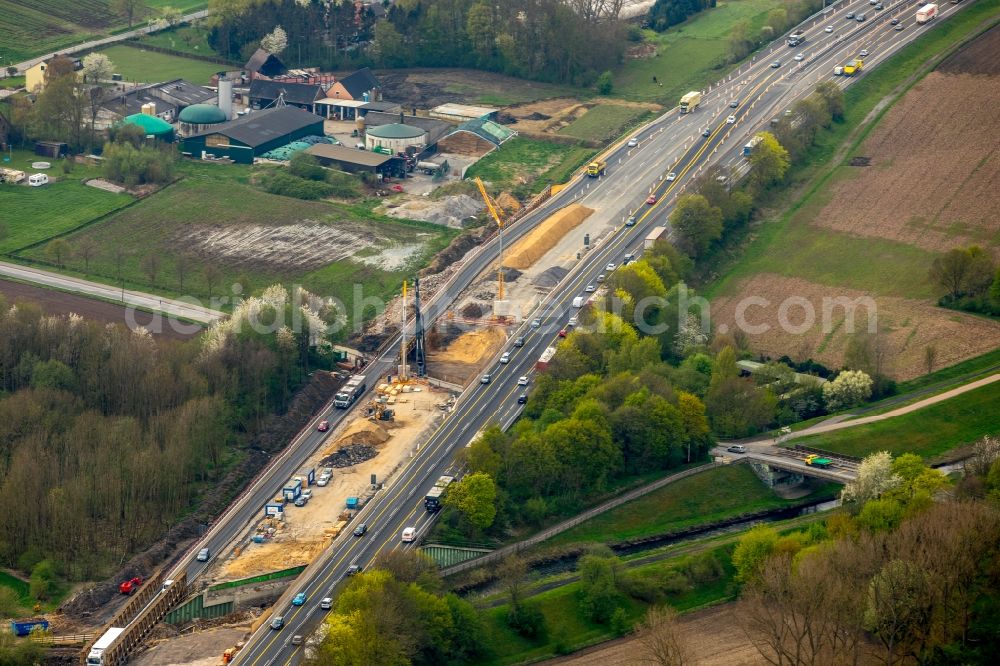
671	143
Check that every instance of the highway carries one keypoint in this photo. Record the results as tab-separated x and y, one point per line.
671	143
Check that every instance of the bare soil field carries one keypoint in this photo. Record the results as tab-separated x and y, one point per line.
712	636
934	179
463	357
427	88
57	302
909	325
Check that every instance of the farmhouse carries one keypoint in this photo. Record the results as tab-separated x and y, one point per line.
352	95
353	160
35	76
264	93
250	136
475	137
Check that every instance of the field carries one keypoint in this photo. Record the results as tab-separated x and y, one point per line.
928	432
853	240
191	39
713	495
136	64
211	218
603	122
427	88
522	161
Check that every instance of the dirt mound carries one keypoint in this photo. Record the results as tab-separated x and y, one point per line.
544	237
448	211
472	347
348	456
536	116
508	202
363	431
457	249
550	277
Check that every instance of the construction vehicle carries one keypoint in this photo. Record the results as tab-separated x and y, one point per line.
497	213
852	67
378	411
815	460
690	101
434	497
926	13
354	387
597	168
130	586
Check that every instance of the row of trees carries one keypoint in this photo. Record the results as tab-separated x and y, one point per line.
905	579
107	435
743	40
666	13
970	278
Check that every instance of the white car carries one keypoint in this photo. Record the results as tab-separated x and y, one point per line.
730	120
590	289
864	53
408	534
828	28
632	143
505	358
609	267
573	321
522	381
671	176
799	57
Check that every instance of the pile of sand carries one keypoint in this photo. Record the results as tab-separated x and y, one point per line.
272	556
361	431
535	245
508	202
473	346
447	211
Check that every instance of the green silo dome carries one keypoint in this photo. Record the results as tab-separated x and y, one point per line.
202	114
395	131
150	124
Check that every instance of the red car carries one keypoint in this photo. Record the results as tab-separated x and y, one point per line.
323	426
562	333
651	200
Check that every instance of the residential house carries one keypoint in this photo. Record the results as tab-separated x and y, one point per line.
35	76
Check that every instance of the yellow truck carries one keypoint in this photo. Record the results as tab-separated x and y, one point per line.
597	168
690	101
853	67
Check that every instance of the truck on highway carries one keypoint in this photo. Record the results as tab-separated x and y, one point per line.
853	67
690	101
96	656
926	13
814	460
543	361
351	391
751	144
434	496
796	38
597	168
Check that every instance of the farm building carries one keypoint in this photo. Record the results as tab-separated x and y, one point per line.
395	137
361	85
168	99
152	126
199	118
353	160
264	93
475	137
265	64
35	76
253	135
434	127
460	113
51	148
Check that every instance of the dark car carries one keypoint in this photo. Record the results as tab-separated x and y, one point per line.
353	569
360	529
894	21
734	104
562	333
523	398
707	132
519	342
776	64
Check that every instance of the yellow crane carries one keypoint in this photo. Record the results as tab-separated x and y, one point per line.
496	211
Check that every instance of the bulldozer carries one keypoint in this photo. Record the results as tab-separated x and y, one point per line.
378	411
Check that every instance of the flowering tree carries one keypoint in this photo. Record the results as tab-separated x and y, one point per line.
851	387
275	42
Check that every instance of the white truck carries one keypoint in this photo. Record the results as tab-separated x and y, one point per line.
353	389
96	656
926	13
690	101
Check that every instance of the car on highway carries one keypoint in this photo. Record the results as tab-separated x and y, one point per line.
849	15
297	639
707	132
519	342
278	622
898	27
633	142
323	426
610	267
864	53
522	399
860	18
536	322
651	199
630	222
353	569
873	2
590	289
299	599
776	64
204	554
671	176
799	57
735	103
486	379
326	603
828	28
522	381
600	278
361	529
408	534
894	21
730	120
573	321
562	333
879	7
737	448
505	358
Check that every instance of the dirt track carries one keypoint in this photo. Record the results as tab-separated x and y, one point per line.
57	302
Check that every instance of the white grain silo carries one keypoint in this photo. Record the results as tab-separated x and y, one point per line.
226	96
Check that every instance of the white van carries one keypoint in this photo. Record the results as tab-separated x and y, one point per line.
38	179
578	302
408	534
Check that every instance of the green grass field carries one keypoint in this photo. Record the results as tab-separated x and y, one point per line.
135	64
711	496
603	122
19	587
689	55
928	432
522	160
186	39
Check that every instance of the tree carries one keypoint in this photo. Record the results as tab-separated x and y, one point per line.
97	68
599	595
60	109
127	9
897	606
212	276
950	271
850	388
768	161
58	250
833	95
605	84
697	223
736	407
387	47
661	640
86	249
43	583
752	551
930	358
875	476
980	272
275	41
475	496
182	264
150	265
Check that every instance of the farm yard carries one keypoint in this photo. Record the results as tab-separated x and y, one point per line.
852	240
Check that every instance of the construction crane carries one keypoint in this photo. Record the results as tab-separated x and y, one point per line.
496	211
